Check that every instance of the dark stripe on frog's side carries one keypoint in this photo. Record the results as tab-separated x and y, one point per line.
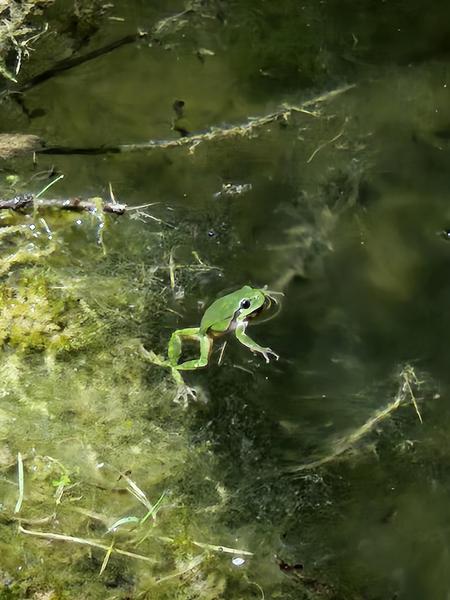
227	325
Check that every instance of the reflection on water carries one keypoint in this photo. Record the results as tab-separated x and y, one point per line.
341	206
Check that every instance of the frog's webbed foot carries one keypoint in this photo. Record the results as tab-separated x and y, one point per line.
184	394
268	353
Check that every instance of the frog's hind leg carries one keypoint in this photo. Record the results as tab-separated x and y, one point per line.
176	343
175	346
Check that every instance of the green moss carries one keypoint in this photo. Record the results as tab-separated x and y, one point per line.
33	317
79	403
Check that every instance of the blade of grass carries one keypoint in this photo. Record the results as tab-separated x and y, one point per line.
153	511
136	491
84	542
172	270
48	186
106	559
21	483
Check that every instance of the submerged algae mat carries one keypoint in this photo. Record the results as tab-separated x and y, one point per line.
108	487
87	433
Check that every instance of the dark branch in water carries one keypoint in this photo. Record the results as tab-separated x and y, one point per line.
408	386
70	63
308	107
70	150
24	201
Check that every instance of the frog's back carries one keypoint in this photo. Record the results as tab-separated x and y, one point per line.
221	312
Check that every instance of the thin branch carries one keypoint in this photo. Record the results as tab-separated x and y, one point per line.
70	63
405	393
24	201
246	129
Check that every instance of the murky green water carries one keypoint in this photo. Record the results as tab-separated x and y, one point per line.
320	459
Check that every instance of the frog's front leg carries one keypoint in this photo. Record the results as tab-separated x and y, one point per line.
175	347
252	345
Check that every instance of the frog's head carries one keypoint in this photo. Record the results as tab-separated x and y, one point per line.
254	301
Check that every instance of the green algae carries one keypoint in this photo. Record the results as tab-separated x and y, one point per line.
78	405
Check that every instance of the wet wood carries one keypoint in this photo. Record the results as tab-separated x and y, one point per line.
248	128
24	201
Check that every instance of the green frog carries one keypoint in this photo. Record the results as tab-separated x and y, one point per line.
229	314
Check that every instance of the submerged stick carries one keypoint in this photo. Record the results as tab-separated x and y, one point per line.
75	61
404	394
212	134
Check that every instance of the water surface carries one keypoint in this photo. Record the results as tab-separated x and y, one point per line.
342	208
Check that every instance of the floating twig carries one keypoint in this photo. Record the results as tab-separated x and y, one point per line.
24	201
93	205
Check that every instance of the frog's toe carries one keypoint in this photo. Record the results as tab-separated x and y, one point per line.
184	394
268	353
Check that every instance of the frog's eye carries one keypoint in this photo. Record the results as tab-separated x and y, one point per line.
245	303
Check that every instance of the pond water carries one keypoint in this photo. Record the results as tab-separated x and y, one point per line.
329	466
